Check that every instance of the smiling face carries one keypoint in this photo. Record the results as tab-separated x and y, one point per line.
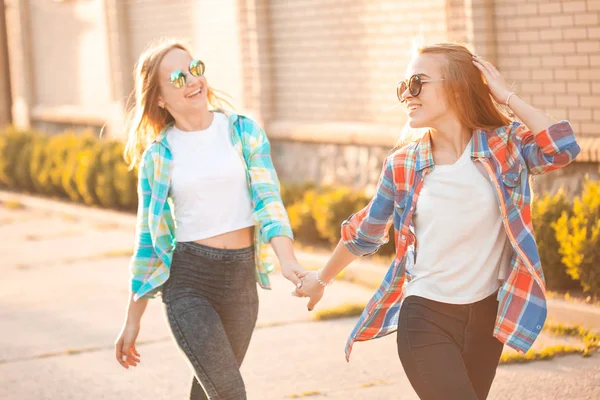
430	106
192	96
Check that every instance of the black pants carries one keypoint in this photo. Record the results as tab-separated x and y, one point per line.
448	350
211	303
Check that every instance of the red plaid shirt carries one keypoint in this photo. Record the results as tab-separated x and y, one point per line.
510	155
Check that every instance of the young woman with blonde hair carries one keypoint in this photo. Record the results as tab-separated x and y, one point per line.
209	203
467	276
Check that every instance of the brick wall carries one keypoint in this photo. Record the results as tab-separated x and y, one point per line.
69	55
210	26
339	61
5	96
551	50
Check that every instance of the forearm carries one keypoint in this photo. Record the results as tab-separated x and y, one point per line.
536	120
340	259
135	310
284	249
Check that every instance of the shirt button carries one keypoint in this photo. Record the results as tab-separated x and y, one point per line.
539	327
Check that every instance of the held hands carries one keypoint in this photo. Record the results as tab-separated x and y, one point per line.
306	282
312	287
497	85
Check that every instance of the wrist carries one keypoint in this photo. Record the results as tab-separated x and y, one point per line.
323	282
510	96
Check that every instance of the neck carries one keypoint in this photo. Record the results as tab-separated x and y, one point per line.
450	136
194	122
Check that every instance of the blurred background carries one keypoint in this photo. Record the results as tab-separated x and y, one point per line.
320	75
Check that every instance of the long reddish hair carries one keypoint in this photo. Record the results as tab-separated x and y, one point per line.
467	92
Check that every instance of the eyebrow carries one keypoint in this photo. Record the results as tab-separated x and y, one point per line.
422	75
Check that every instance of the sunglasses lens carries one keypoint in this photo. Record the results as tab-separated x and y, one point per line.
178	79
400	89
415	85
197	68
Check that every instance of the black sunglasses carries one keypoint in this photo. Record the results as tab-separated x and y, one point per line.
414	84
178	76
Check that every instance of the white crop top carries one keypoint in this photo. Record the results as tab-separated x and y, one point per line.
209	187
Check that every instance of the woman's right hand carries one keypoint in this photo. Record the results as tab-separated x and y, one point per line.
125	350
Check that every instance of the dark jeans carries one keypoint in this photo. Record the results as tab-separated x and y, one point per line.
211	302
447	350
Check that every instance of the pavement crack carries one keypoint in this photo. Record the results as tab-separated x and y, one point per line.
73	352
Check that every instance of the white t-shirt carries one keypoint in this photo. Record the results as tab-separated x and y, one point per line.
209	187
463	249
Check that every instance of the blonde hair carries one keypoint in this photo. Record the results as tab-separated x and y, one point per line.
146	119
469	96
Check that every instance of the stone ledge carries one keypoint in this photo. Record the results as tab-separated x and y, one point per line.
334	133
68	115
377	135
590	149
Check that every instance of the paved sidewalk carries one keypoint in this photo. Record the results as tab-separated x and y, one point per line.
62	300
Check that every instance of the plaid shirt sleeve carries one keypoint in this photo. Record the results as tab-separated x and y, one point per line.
548	150
144	257
367	230
268	206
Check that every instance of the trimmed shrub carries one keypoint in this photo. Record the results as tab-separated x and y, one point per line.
331	208
579	238
545	211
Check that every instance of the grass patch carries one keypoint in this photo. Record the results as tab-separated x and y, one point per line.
547	353
117	253
343	311
306	394
575	297
591	342
371	384
13	204
107	226
560	329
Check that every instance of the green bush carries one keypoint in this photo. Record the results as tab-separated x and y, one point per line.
302	221
545	211
79	167
69	173
579	238
125	181
15	150
106	192
292	194
331	208
22	170
39	154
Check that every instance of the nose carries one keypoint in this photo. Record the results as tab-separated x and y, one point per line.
406	96
190	79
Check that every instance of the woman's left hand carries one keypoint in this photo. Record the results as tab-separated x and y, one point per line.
496	83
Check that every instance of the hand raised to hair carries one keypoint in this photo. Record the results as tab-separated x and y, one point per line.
497	85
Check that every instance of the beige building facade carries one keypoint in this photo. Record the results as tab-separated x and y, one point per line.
320	75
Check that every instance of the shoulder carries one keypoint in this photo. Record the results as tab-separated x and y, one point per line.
248	125
505	132
406	151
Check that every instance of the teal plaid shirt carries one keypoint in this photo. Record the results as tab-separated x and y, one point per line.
155	230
